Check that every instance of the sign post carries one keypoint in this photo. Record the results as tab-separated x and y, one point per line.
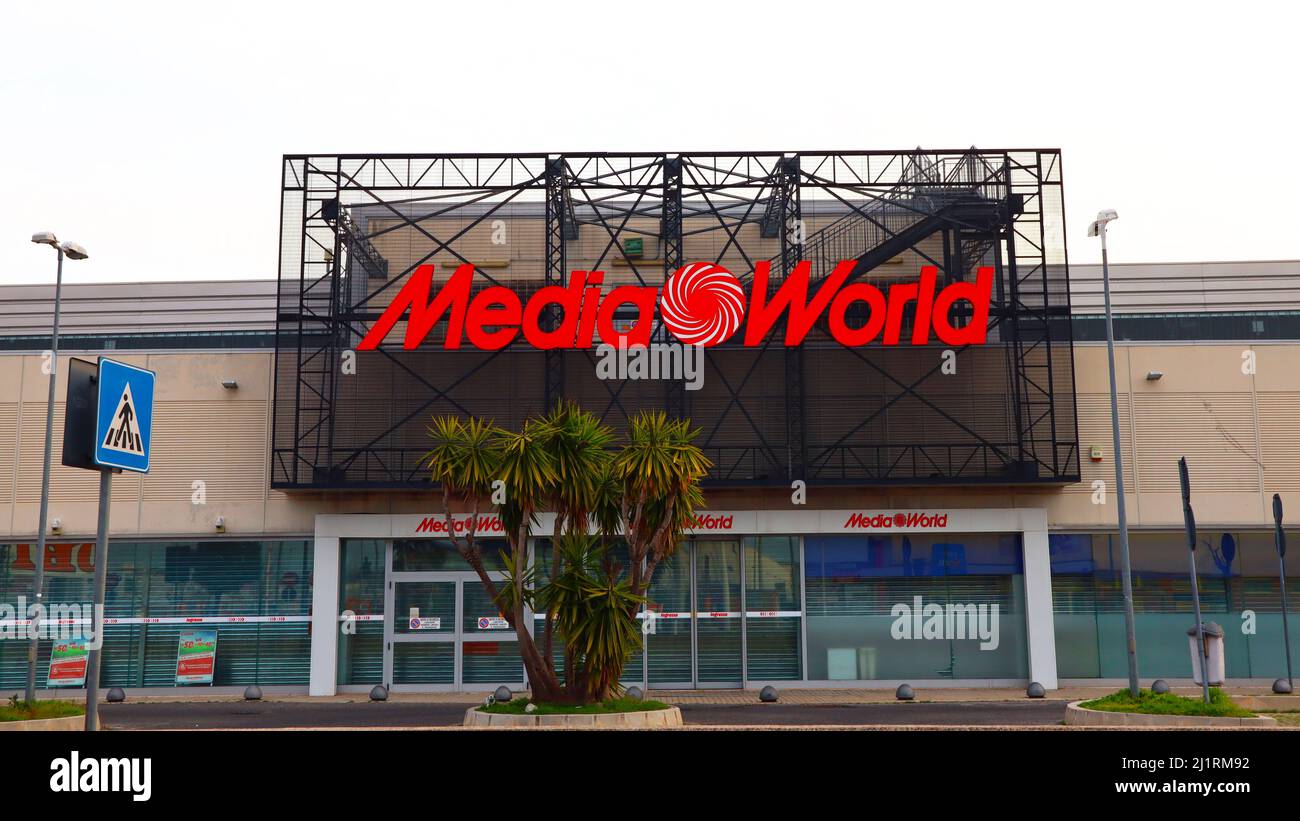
1279	538
101	580
1189	523
123	428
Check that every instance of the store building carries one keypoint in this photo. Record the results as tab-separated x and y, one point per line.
286	510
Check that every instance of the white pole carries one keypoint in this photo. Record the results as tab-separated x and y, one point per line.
37	609
1126	575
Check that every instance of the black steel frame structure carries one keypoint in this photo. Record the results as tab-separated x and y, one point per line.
354	227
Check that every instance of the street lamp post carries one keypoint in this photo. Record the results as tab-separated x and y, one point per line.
1098	229
37	610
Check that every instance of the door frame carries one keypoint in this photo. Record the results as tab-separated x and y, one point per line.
457	638
694	619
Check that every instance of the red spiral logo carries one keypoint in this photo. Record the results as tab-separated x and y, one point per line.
702	304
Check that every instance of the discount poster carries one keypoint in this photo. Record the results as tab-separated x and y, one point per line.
196	657
68	664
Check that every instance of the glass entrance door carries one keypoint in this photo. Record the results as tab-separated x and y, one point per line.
421	647
717	613
669	636
696	636
442	631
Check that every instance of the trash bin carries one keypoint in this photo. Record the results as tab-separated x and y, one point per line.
1214	648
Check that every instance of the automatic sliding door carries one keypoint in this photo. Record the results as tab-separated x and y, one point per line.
717	614
773	617
668	646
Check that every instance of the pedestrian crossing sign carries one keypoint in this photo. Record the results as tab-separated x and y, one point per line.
124	420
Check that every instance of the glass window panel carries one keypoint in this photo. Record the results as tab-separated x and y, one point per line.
424	662
480	616
1235	572
670	586
171	579
773	649
916	606
361	655
361	592
491	662
772	573
425	600
669	652
432	555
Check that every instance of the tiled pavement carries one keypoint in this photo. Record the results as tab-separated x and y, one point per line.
792	696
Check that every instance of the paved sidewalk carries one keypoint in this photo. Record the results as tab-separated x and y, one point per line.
792	696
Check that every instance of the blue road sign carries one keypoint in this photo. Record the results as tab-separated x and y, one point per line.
124	420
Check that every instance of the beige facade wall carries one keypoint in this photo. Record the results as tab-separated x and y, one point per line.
1239	431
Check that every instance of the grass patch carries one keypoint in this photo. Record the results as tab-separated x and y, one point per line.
17	710
519	706
1168	704
1287	719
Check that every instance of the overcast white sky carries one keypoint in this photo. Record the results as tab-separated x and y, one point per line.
152	133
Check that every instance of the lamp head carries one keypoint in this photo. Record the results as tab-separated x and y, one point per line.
1099	225
74	251
45	238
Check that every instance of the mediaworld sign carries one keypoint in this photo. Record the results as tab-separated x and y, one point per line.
701	304
739	522
888	521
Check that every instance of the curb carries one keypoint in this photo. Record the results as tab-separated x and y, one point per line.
1268	703
1083	717
45	724
641	720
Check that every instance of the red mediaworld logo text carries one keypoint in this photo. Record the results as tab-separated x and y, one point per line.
461	525
886	521
701	304
709	521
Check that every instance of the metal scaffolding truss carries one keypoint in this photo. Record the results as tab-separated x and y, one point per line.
355	227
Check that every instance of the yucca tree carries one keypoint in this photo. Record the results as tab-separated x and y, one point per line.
579	444
657	479
527	470
649	490
467	456
592	603
464	460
